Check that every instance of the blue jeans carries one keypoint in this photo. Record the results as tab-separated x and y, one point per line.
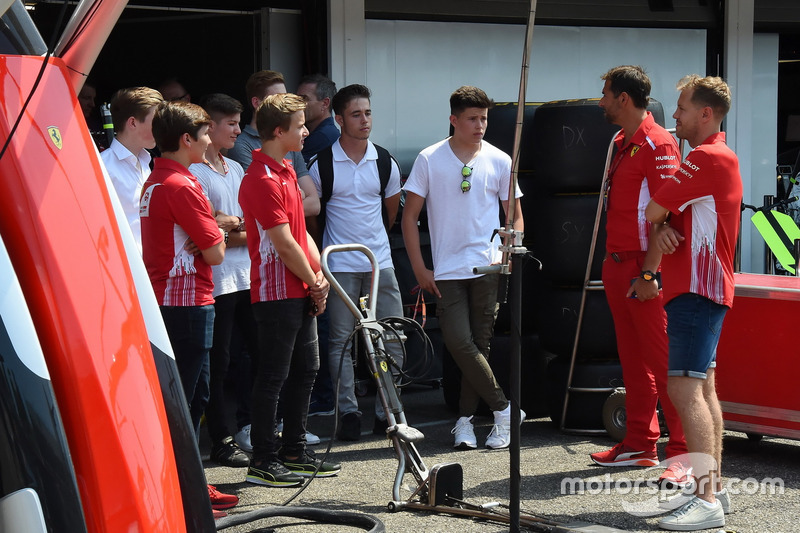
467	311
287	358
694	324
342	323
191	330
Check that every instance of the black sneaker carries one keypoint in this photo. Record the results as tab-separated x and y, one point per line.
228	453
380	427
273	474
350	427
307	463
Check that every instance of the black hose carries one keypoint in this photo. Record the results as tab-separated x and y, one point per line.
347	518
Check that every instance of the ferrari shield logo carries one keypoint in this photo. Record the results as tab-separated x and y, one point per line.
384	366
55	136
634	150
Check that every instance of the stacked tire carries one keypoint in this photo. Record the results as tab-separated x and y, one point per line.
571	140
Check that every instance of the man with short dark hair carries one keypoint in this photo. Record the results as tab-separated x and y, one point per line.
357	188
646	154
317	91
221	178
461	180
697	215
287	290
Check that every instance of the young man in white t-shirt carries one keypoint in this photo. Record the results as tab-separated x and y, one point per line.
221	178
462	179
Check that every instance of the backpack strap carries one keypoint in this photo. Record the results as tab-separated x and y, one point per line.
384	173
324	161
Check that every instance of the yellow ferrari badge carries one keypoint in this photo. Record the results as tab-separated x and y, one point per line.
634	150
55	136
384	367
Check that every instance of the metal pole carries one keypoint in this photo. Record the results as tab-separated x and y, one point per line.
515	301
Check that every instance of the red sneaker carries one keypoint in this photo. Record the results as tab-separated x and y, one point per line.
676	476
218	514
621	455
220	500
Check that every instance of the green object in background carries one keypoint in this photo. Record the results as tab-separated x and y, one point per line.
779	231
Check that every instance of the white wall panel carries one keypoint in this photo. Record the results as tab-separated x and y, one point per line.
412	67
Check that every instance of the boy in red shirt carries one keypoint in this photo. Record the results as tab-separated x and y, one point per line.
288	291
180	242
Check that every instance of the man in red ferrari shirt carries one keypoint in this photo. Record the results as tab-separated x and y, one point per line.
288	291
645	158
180	242
697	213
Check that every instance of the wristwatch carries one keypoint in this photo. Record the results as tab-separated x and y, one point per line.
647	275
225	236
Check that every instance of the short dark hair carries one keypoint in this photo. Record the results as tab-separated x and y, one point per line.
711	91
173	119
346	94
325	88
258	83
630	79
220	105
468	96
276	110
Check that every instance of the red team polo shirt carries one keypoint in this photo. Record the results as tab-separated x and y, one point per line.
705	198
172	210
270	196
652	153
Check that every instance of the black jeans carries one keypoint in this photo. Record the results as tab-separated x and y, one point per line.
288	358
233	314
190	331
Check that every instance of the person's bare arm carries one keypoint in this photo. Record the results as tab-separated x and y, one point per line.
214	255
310	199
411	211
666	238
392	205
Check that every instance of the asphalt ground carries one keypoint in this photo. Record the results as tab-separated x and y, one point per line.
548	458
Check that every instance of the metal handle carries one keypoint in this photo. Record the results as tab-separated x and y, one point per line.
372	301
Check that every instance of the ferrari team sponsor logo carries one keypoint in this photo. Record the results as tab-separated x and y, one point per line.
55	136
634	150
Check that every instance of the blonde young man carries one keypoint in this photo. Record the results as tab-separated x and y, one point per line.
697	216
288	291
260	85
127	159
462	179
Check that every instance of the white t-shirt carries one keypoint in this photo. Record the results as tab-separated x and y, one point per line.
128	179
233	274
461	223
353	213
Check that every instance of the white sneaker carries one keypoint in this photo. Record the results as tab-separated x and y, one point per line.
500	436
694	515
242	438
724	500
465	434
311	438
